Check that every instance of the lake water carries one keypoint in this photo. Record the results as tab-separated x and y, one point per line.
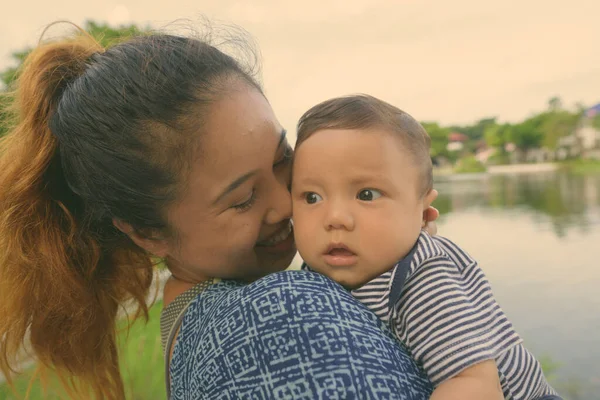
537	237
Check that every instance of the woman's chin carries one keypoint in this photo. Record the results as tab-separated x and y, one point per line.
272	263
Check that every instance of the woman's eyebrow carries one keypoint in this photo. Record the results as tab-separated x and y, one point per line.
281	138
240	181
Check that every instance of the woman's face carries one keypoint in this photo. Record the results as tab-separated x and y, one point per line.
233	220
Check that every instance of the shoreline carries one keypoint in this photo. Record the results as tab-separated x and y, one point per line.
509	169
577	166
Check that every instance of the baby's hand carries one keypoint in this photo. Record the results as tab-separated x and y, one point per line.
478	382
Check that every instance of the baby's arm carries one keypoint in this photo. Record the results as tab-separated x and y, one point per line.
478	382
447	317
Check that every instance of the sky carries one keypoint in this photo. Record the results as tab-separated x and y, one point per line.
449	61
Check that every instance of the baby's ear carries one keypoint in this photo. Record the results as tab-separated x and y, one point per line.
430	214
429	198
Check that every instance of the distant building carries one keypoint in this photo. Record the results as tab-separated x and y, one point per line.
592	111
456	141
483	155
585	141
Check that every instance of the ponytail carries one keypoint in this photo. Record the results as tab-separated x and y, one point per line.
62	276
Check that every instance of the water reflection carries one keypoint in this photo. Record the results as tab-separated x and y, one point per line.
565	201
536	236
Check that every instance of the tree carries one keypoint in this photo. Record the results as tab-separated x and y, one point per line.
8	76
498	136
476	131
104	33
439	138
4	114
557	124
527	135
554	104
596	121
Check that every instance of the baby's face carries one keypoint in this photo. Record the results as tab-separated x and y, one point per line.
357	203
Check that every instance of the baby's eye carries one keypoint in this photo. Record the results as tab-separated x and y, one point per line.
368	194
312	198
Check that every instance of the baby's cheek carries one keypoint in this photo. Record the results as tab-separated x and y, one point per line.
396	235
302	237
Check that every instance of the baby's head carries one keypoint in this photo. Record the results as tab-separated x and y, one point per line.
361	182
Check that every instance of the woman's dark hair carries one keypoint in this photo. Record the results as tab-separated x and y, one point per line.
101	134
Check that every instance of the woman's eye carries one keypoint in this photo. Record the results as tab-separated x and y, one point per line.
312	198
368	195
246	204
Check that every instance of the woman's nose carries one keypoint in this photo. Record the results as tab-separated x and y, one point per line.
280	202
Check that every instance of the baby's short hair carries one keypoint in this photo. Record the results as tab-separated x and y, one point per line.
362	111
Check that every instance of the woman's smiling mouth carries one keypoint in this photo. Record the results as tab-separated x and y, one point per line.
283	240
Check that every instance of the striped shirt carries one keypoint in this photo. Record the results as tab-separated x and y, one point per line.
439	303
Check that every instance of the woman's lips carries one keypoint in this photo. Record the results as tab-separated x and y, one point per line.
281	241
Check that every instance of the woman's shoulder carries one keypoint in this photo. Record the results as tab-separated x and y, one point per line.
296	281
282	333
286	289
276	301
280	287
292	281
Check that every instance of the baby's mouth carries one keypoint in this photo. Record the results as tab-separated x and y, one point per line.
340	252
339	255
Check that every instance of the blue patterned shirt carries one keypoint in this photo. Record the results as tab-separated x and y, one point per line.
290	335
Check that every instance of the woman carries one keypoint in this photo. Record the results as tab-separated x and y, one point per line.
164	146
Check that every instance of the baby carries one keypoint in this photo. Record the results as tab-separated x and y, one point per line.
362	179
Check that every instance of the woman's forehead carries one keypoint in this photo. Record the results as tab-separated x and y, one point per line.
241	116
241	135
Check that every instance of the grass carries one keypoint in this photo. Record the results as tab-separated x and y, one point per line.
550	367
141	366
581	166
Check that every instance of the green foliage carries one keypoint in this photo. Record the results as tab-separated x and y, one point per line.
527	134
596	122
5	116
439	138
554	104
549	366
497	135
9	75
540	130
468	165
499	158
476	131
557	124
